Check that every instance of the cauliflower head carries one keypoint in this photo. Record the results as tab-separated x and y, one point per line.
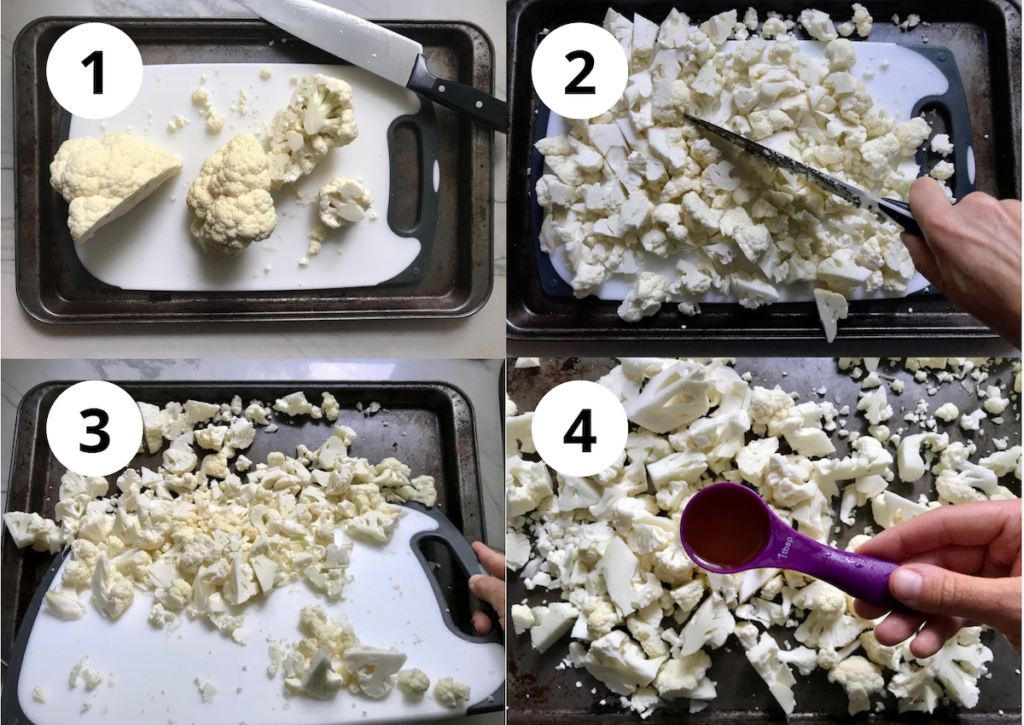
319	117
103	180
231	198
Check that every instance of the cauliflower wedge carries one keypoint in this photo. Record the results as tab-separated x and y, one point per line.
343	202
231	198
319	117
103	180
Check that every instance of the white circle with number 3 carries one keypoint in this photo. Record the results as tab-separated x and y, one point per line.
94	428
579	428
94	70
579	70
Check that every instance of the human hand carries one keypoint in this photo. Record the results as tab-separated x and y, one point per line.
958	565
972	252
490	589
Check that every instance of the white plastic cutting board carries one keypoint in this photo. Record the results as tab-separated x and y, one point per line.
150	248
909	78
157	670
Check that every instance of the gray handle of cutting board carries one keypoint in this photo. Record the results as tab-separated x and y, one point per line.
10	708
422	124
449	536
954	104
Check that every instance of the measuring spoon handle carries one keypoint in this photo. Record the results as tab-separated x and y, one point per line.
862	577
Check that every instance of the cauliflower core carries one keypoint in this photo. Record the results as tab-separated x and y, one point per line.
103	180
343	202
319	117
231	198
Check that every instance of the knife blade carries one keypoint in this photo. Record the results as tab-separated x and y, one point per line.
380	51
898	211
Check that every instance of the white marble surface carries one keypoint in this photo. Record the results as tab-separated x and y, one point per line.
478	379
481	335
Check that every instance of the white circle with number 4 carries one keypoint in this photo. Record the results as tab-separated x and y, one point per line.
94	428
94	70
579	428
579	70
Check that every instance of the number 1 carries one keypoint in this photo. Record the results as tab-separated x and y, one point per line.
586	439
95	58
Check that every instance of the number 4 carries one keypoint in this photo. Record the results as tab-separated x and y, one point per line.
586	440
95	59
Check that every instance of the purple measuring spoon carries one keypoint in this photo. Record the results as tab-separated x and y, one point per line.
768	541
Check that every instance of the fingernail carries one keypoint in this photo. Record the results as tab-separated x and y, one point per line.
473	579
906	584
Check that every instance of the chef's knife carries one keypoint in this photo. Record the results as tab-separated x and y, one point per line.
378	50
898	211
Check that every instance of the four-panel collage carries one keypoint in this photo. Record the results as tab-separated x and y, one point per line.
745	445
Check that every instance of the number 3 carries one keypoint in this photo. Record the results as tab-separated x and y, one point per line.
574	87
97	430
586	439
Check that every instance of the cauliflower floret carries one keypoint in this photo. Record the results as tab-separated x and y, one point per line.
645	297
818	25
860	678
231	198
450	693
320	116
414	682
912	134
112	593
343	202
942	171
103	180
832	307
35	531
941	144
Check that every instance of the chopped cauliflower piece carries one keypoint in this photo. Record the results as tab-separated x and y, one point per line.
343	202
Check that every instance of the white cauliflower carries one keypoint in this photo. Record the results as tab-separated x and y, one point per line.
103	180
343	202
231	198
320	116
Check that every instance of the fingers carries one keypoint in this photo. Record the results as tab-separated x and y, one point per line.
489	589
865	610
493	562
930	207
970	524
481	622
964	559
934	634
898	627
924	260
933	590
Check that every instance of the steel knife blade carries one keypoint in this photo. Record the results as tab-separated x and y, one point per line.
898	211
380	51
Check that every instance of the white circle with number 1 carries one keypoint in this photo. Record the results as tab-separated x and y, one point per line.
579	428
94	70
579	70
94	428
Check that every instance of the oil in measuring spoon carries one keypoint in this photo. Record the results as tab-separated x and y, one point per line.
726	528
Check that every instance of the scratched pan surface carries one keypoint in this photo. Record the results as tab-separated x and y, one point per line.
984	37
428	426
537	693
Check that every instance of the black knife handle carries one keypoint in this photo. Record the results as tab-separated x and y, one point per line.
899	212
464	99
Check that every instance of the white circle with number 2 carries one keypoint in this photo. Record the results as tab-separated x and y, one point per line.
561	423
579	70
94	428
94	70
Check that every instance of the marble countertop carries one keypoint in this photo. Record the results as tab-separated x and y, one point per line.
478	379
478	336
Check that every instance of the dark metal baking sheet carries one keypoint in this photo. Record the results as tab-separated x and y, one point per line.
459	277
538	694
428	426
984	37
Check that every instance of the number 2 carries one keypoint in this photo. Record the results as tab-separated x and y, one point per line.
574	87
97	430
95	58
586	439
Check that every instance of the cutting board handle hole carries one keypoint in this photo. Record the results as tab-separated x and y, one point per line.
407	190
451	583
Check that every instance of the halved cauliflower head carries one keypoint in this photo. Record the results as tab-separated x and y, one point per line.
231	198
103	180
319	117
343	202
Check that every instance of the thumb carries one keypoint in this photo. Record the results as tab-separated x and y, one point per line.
489	589
934	590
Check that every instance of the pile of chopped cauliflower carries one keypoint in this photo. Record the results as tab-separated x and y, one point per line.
643	618
196	538
640	182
